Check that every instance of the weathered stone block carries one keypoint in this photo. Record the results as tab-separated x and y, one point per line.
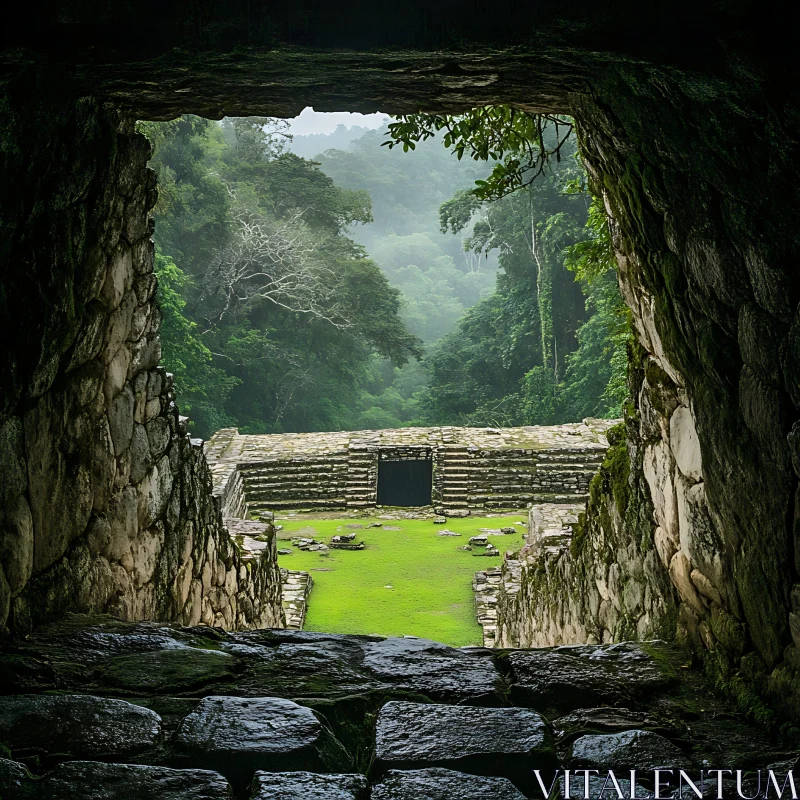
118	277
120	419
307	786
508	742
442	784
685	444
569	677
239	735
644	750
436	670
165	671
77	725
92	780
70	472
154	492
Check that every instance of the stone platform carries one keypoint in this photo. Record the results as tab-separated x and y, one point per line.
487	469
94	708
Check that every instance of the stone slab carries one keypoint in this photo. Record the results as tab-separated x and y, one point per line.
507	742
436	670
442	784
308	786
76	725
93	780
240	735
575	676
254	725
636	749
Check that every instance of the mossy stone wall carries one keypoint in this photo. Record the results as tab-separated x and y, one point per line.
105	501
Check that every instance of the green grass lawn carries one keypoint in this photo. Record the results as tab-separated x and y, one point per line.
406	581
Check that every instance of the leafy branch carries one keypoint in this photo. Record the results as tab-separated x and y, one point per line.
519	142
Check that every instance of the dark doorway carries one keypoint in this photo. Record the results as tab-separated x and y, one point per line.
405	483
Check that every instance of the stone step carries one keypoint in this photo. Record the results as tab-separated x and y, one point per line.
293	491
292	467
326	458
293	478
283	477
509	461
298	504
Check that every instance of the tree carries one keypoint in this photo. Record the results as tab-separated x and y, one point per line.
202	388
282	312
533	210
520	143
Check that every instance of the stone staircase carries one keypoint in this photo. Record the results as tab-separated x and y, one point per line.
362	467
313	483
295	588
513	479
155	712
485	587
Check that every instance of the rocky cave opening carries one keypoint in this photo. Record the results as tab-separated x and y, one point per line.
107	506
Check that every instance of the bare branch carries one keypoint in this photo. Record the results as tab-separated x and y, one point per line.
273	261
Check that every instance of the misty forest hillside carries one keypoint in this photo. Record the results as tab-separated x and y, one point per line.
328	282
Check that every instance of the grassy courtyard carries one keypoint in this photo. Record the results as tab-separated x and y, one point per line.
408	580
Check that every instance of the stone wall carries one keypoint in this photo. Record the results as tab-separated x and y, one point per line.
105	501
589	576
707	250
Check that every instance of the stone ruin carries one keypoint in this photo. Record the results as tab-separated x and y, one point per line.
458	469
692	531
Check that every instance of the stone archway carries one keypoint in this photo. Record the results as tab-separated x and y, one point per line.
686	130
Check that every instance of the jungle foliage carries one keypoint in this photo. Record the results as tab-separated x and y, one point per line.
370	289
272	314
550	345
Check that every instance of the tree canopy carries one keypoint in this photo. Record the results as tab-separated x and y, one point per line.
272	314
368	288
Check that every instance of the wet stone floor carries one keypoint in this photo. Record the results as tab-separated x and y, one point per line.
99	709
